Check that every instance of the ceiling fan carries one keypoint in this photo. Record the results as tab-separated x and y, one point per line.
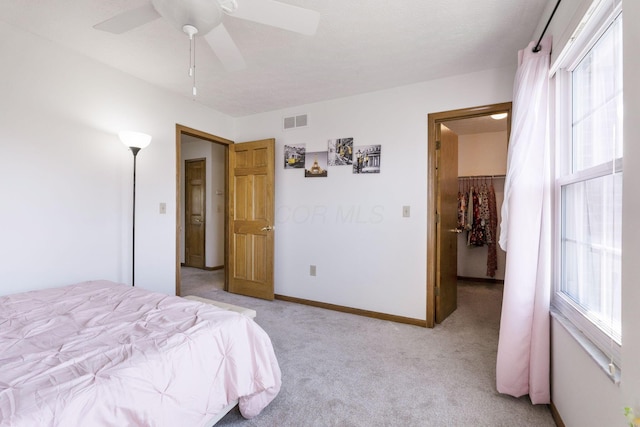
204	18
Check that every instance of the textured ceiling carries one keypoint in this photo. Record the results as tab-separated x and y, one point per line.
360	46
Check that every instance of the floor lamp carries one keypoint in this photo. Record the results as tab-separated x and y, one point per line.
135	141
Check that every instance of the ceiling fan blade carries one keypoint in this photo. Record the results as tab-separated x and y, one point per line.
225	48
281	15
128	20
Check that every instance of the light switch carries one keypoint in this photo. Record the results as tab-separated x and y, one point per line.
406	211
163	208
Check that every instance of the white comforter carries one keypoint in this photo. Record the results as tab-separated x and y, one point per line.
106	354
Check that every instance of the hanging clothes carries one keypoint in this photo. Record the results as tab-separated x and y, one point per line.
469	214
477	214
462	210
483	198
492	247
477	236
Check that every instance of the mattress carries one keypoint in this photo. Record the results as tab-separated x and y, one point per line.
100	353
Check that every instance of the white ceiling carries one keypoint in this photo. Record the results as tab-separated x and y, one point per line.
360	46
482	124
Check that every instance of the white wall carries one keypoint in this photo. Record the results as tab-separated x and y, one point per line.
65	178
351	226
214	198
482	154
581	392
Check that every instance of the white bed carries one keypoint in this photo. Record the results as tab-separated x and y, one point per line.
100	353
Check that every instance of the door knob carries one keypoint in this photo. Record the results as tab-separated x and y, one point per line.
455	230
267	228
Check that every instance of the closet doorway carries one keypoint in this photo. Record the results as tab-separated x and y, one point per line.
448	135
202	201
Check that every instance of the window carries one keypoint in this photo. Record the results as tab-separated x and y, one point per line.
589	180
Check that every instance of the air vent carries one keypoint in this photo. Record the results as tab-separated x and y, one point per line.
294	122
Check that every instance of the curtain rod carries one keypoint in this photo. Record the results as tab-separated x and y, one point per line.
481	176
537	46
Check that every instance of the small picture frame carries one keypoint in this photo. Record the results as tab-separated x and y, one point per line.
294	156
340	152
315	165
366	159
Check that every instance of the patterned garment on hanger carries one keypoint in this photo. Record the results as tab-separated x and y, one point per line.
483	196
477	235
492	250
462	210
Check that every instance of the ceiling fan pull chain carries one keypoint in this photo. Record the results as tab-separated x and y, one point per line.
194	66
191	31
190	57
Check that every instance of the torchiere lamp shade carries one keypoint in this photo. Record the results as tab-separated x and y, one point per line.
134	139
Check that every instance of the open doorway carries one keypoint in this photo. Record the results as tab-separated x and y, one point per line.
482	166
201	223
464	145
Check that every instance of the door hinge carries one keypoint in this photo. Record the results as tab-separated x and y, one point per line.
438	145
437	292
437	218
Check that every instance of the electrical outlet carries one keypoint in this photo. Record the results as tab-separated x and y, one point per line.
312	270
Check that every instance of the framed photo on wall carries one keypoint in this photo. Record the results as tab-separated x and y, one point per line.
340	152
315	165
366	159
294	156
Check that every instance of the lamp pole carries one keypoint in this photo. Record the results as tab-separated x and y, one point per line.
135	151
135	141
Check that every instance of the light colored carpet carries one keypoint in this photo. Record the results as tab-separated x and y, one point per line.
345	370
200	280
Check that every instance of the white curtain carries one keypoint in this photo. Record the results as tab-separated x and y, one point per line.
523	347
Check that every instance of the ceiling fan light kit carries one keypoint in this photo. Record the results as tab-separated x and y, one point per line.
204	18
190	30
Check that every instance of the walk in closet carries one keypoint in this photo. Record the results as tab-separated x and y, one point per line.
482	162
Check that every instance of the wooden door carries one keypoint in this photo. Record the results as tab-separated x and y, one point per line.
446	290
251	218
195	198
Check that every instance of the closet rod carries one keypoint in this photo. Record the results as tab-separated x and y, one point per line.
481	176
537	47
